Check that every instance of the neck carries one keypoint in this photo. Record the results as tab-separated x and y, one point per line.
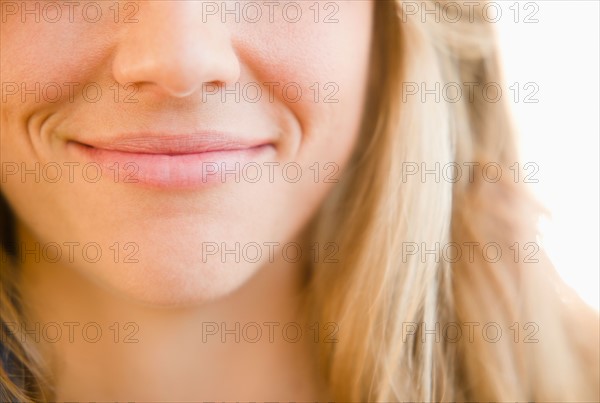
241	347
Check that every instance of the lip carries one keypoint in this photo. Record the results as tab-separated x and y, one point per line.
172	161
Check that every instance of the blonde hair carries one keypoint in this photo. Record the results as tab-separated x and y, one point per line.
375	290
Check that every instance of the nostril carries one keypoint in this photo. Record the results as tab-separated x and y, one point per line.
178	72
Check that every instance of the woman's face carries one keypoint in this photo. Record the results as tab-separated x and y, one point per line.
168	149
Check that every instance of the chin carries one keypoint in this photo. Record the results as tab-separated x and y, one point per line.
174	285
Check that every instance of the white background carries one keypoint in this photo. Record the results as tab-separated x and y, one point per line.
560	133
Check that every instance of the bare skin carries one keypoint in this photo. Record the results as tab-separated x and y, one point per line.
186	354
176	61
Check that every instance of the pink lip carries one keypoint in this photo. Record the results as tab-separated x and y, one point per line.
172	161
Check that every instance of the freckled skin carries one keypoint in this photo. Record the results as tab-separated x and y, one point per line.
162	61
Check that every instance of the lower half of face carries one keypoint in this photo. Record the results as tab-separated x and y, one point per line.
177	200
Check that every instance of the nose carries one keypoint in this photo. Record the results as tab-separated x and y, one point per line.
171	49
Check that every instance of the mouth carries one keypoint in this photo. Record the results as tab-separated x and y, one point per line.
172	161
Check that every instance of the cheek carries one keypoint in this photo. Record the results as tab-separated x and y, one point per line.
321	68
52	52
43	65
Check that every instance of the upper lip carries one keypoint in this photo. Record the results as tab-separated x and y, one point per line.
174	144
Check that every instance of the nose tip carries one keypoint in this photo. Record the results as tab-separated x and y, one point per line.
172	50
190	73
178	73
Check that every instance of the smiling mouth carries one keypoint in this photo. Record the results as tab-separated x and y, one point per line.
175	161
173	144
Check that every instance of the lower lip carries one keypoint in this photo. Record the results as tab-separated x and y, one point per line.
173	171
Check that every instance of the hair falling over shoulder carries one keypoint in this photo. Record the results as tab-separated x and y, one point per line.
389	300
